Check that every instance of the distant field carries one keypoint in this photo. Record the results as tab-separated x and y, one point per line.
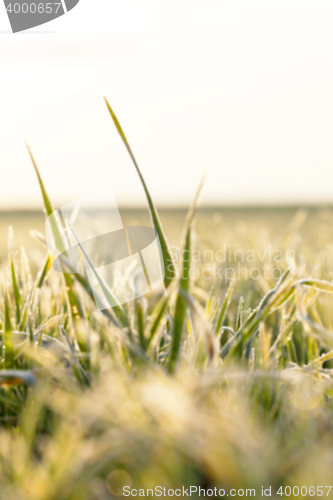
215	227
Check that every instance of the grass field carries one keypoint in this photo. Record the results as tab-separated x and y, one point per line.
87	399
222	379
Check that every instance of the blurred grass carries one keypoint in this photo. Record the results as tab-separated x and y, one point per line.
84	402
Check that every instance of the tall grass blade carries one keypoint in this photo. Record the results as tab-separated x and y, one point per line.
224	308
75	304
47	203
106	290
46	268
8	337
158	314
16	291
180	308
140	323
239	314
200	317
169	265
184	286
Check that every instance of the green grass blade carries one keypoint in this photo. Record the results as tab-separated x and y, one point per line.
140	322
169	265
47	266
180	309
224	308
272	292
8	337
184	286
199	315
275	298
38	284
239	314
106	290
76	307
47	203
321	285
320	360
16	291
158	314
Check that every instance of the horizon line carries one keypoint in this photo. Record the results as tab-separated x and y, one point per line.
206	206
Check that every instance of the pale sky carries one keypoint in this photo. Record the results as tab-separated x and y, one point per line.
241	89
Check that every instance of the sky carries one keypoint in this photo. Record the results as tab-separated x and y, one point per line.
239	90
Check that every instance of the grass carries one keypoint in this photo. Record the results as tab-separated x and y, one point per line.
209	382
